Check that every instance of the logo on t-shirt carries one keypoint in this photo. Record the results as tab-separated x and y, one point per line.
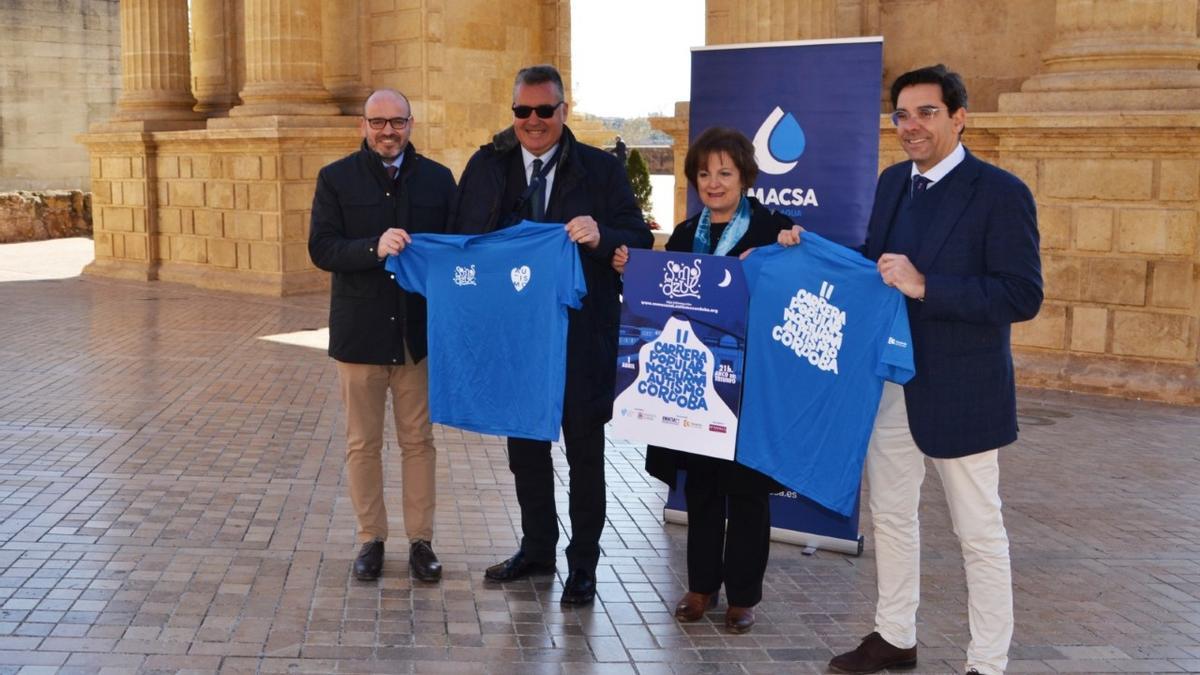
812	328
464	276
681	281
520	277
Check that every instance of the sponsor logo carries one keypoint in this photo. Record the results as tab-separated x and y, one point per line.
465	276
717	428
898	343
778	143
646	416
520	277
674	421
681	281
688	424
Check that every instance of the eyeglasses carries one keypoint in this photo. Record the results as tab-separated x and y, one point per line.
398	123
924	114
543	111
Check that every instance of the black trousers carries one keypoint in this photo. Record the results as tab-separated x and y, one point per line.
533	471
737	557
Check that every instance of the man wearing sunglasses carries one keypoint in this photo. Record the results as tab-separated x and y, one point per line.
365	206
959	238
537	170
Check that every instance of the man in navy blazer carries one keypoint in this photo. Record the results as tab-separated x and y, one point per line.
958	237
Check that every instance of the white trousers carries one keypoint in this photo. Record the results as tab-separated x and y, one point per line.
895	469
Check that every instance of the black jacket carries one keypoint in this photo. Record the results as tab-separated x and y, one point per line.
370	316
587	182
731	477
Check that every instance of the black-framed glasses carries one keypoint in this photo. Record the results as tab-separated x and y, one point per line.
924	113
398	123
545	111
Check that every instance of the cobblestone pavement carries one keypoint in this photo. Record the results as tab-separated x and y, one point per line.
172	499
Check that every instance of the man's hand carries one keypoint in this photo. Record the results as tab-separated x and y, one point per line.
790	237
391	242
620	257
898	272
584	230
747	252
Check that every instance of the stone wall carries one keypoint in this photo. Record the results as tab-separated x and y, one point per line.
51	214
59	73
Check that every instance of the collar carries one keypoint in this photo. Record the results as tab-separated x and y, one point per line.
395	162
527	157
943	167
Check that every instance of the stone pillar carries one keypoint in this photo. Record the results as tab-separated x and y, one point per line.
155	67
738	21
283	60
677	128
1116	55
342	38
214	40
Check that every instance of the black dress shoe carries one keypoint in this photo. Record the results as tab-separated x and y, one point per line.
423	561
873	655
369	562
580	588
517	567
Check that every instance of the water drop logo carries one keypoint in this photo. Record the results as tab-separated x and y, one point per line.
778	143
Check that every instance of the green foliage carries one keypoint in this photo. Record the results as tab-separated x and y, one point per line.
639	178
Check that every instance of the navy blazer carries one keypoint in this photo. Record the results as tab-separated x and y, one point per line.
983	273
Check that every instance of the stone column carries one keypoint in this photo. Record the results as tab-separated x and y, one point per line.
283	60
154	62
342	33
737	21
677	128
1116	55
214	38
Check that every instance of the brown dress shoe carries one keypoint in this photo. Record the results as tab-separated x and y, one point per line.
873	655
739	619
691	606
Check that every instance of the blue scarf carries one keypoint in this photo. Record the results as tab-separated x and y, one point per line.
733	231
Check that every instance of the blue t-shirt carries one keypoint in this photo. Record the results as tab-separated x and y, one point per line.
824	332
497	324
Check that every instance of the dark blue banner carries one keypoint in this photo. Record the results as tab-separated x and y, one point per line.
812	110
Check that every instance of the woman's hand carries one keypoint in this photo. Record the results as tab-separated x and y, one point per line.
790	237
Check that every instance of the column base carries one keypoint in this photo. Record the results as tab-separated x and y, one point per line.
274	284
122	269
1116	100
1109	375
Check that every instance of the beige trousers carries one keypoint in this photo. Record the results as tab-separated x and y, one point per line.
364	393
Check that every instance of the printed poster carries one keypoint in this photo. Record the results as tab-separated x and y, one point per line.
680	352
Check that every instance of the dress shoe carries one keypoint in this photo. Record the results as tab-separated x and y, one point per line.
580	588
423	561
517	567
739	619
369	562
691	606
873	655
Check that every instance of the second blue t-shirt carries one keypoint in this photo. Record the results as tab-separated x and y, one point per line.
824	332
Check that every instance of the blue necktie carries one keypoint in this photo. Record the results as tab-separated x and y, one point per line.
919	183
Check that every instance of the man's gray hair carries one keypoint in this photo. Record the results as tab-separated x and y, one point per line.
539	74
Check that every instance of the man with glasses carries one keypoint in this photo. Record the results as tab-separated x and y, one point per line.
959	238
365	206
537	170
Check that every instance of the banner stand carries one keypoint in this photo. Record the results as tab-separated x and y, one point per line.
823	529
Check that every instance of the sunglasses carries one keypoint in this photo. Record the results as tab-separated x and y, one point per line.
543	111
